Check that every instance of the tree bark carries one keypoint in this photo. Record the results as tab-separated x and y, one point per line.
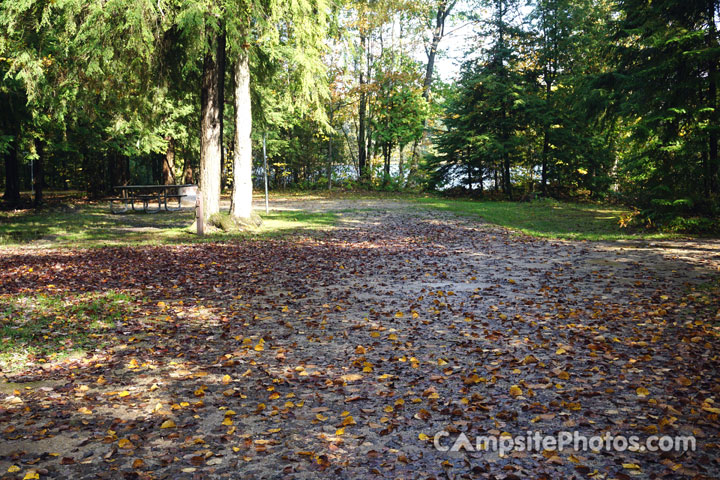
210	142
362	110
438	32
242	156
168	175
187	174
221	93
370	154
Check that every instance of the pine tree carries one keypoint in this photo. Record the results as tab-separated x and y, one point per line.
667	57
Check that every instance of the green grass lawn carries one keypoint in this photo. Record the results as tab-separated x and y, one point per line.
90	225
81	224
549	218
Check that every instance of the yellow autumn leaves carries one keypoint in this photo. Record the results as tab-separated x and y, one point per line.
31	474
125	443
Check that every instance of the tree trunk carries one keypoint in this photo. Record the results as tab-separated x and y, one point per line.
504	134
221	94
362	110
507	184
438	32
96	168
210	142
39	172
370	154
713	167
187	172
481	177
469	177
504	138
349	146
168	175
546	132
12	173
125	170
387	150
118	168
401	168
329	165
330	162
412	172
543	174
242	156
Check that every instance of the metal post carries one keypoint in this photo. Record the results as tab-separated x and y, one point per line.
199	218
267	202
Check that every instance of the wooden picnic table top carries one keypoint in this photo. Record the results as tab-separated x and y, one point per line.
130	194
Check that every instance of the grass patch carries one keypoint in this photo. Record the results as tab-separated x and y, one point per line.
91	225
549	218
45	328
84	225
291	221
278	223
74	224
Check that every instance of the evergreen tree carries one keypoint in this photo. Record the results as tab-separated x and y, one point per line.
667	64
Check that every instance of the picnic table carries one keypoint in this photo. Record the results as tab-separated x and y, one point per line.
168	197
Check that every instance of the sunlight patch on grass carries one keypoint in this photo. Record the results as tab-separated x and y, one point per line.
284	221
93	225
44	328
276	223
548	218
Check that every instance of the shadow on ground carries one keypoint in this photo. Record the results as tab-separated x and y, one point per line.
343	354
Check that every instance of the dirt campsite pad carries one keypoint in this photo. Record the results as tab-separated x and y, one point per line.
349	353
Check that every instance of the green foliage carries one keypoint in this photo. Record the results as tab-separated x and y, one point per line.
592	98
667	73
486	115
676	216
398	101
567	98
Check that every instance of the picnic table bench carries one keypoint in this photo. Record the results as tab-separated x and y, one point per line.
168	197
